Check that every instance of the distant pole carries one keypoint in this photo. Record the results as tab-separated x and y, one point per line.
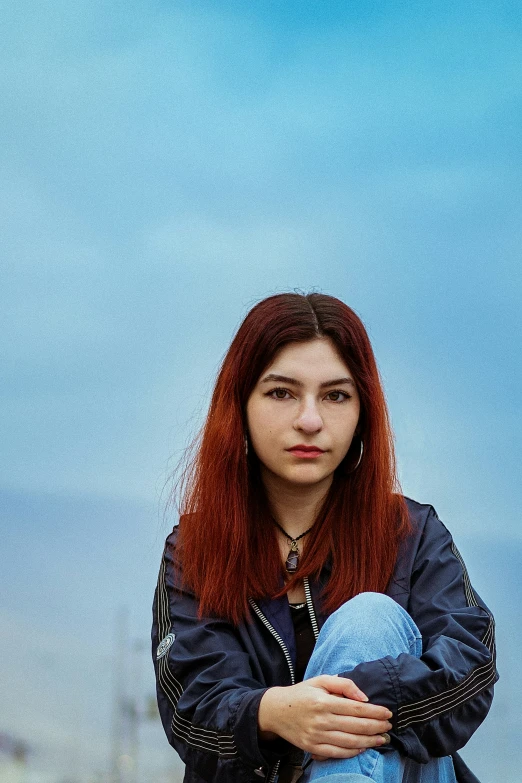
119	672
135	708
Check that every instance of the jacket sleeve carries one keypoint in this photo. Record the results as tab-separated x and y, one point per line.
439	699
207	696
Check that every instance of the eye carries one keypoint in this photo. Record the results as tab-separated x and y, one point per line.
339	396
278	394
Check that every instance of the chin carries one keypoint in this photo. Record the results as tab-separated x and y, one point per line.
306	477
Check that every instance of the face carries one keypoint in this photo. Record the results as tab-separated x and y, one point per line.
307	397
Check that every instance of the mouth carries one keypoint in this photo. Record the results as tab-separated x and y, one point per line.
306	452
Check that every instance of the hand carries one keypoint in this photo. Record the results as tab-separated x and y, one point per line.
312	716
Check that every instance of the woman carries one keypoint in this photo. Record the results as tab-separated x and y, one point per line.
310	621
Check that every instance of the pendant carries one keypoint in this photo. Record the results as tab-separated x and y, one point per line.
292	561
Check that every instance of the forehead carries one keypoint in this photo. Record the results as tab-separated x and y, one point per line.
313	360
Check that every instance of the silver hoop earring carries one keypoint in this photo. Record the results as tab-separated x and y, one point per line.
246	445
360	456
359	460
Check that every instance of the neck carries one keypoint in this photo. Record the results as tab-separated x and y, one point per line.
294	506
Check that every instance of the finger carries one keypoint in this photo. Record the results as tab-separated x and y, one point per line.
343	739
342	686
352	725
359	709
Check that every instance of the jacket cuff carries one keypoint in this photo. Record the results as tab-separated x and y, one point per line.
253	750
379	681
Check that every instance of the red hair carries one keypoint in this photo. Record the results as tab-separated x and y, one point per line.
228	545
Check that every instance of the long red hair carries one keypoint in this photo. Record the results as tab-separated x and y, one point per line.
227	541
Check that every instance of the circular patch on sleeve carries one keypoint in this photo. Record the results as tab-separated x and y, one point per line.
165	645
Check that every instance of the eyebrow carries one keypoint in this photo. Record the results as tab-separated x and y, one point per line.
294	382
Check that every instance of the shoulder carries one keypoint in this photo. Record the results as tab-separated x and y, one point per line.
171	551
171	566
418	512
172	538
174	541
428	549
423	518
427	531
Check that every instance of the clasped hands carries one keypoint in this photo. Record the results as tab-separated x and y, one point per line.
312	717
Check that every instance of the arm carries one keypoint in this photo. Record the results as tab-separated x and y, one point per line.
440	699
207	697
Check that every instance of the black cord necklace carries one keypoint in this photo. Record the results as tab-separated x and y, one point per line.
292	561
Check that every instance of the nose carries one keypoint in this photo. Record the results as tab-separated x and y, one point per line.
308	419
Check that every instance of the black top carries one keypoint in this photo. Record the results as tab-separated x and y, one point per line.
304	638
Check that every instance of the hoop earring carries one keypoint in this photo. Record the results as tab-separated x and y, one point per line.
246	445
359	460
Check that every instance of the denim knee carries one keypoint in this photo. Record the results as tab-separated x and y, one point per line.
371	619
370	610
374	602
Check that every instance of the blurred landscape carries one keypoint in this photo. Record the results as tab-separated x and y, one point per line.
78	686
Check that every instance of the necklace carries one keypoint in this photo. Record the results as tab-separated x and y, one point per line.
292	560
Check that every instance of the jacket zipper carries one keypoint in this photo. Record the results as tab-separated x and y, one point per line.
273	773
315	628
310	605
276	636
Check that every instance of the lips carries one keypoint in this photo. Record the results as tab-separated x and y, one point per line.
302	450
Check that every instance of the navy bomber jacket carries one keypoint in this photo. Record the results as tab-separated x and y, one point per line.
211	675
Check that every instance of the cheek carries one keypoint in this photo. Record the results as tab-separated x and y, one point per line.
258	422
265	430
262	417
347	432
264	434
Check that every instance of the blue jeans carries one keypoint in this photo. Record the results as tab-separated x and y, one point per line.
368	627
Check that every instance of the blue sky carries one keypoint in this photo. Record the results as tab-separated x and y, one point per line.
166	165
